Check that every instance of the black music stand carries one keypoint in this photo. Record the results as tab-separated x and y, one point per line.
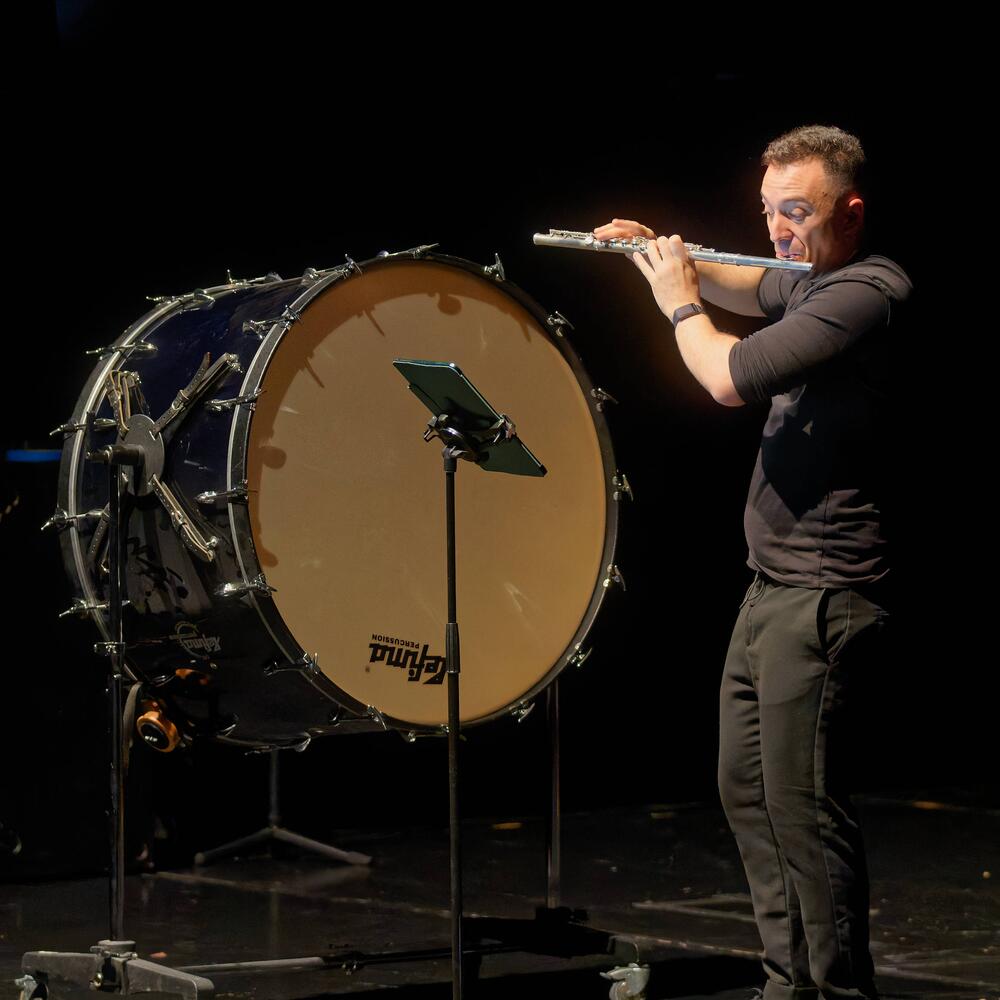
473	430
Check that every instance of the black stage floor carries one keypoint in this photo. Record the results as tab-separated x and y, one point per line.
667	877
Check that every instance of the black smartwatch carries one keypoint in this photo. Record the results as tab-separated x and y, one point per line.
682	312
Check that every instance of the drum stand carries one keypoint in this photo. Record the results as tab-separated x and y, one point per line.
274	831
112	964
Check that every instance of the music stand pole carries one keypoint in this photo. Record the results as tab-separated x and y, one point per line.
470	429
453	661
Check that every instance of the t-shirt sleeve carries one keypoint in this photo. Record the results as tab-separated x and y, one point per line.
786	354
774	290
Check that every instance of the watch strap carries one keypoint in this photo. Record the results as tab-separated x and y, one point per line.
683	312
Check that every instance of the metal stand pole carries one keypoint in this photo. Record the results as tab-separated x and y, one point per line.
453	659
553	838
115	648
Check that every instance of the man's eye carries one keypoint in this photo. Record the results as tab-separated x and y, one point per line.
798	218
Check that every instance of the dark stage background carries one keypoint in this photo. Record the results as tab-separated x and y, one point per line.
146	174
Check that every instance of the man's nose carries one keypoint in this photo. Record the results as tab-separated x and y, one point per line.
777	228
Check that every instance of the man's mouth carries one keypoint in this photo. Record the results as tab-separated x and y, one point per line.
782	250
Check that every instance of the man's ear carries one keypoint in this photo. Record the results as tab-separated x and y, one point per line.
854	214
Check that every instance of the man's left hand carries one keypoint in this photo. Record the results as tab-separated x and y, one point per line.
670	272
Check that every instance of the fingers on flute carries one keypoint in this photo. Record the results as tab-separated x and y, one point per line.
618	228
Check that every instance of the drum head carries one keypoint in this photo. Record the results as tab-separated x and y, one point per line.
347	499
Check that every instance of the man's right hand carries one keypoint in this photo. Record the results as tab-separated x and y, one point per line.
623	228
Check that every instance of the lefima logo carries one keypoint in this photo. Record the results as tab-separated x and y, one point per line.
402	654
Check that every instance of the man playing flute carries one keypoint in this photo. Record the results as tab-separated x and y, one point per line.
817	612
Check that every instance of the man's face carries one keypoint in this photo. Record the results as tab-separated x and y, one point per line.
805	219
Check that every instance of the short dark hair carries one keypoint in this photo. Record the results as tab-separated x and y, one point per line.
839	151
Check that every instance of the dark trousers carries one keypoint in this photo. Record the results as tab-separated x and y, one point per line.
786	746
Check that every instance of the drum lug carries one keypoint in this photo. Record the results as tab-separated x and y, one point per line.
522	710
495	270
621	484
126	350
83	608
198	299
260	327
307	664
60	519
258	585
580	657
415	252
218	405
557	321
238	494
335	273
237	284
614	577
602	397
100	424
376	716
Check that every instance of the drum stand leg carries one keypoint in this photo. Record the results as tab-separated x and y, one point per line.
274	831
112	964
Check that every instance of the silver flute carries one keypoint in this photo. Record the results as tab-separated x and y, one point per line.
638	244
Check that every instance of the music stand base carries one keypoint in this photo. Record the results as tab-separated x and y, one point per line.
274	831
270	834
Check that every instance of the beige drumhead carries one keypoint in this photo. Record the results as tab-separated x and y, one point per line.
347	499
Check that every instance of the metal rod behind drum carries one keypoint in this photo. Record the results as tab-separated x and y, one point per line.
638	244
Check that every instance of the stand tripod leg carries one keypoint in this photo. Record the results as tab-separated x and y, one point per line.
317	847
275	832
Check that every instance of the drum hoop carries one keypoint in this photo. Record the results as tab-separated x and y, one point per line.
239	514
73	456
73	447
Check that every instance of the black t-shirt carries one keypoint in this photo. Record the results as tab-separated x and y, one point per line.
818	507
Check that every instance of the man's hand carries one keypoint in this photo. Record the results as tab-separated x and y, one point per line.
670	272
618	229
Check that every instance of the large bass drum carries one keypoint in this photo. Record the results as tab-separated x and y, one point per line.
285	567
